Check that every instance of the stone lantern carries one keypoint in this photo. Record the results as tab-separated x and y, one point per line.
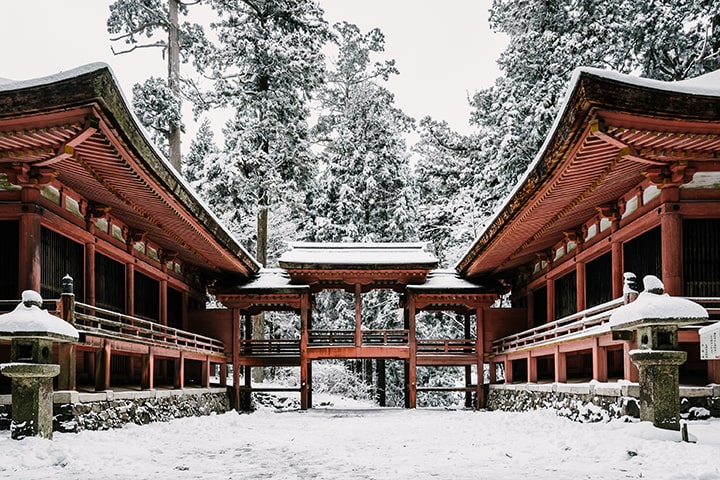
655	318
32	332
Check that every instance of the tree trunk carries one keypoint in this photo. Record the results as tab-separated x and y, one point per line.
174	80
261	256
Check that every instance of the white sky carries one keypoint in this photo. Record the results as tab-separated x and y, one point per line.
444	50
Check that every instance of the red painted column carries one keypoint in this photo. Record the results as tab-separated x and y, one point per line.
163	286
560	365
148	374
29	252
235	323
671	241
480	348
580	286
358	315
531	368
617	260
599	359
412	362
90	273
179	373
304	362
630	371
508	371
130	288
550	300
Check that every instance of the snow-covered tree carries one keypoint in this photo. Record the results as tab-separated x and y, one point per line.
265	69
365	190
157	102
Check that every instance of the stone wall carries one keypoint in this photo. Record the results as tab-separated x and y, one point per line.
595	402
74	411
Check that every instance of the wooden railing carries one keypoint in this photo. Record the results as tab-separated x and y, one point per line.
385	337
461	345
272	347
579	323
572	324
347	337
105	323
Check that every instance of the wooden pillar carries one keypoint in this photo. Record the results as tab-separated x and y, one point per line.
235	322
617	261
305	367
599	359
148	371
130	288
531	368
179	371
358	315
67	355
90	273
580	286
671	242
102	367
713	371
630	371
163	301
412	362
560	364
480	349
29	252
223	374
309	384
493	372
205	374
508	370
530	309
550	284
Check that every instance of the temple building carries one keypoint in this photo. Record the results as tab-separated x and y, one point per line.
628	180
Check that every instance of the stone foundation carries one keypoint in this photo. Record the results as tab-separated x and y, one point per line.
596	402
75	411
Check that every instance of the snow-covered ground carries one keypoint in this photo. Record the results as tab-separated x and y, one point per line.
350	441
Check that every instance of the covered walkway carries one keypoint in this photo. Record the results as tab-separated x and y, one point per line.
406	268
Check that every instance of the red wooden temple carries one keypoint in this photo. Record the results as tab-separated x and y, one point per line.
627	181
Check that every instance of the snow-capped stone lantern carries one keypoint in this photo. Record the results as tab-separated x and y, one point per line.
655	317
32	332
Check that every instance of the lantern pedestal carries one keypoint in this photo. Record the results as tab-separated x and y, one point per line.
659	386
32	392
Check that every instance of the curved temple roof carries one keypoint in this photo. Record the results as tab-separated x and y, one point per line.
76	127
612	132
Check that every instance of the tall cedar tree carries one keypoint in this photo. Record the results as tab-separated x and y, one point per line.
364	189
158	102
267	65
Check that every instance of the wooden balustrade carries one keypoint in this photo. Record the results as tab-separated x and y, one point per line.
578	323
272	347
461	345
106	323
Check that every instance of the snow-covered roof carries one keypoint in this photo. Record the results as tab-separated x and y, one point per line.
96	84
448	281
590	90
270	280
34	322
357	256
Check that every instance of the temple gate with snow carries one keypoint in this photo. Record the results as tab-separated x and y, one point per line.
628	180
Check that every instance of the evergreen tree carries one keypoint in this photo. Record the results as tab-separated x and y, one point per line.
201	149
365	186
157	102
365	189
266	67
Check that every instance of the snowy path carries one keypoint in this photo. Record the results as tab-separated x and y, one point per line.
368	444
